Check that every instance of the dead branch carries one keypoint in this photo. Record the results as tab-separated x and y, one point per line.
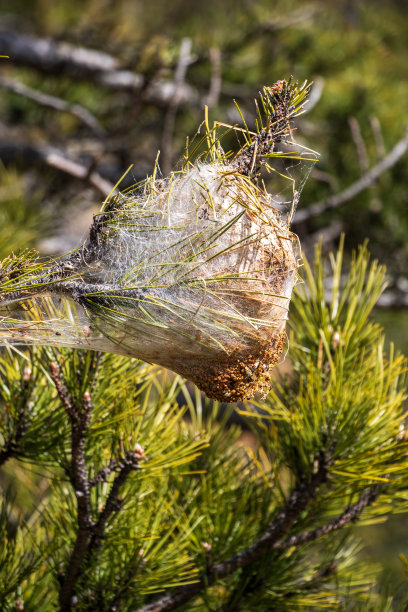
170	117
55	103
359	143
84	64
350	192
30	154
216	80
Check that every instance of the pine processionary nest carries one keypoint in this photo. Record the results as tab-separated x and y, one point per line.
193	272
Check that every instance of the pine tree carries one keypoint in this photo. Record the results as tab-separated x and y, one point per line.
142	494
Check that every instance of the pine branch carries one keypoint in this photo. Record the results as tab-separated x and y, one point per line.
297	502
90	532
113	503
63	394
103	474
367	498
367	179
11	445
79	419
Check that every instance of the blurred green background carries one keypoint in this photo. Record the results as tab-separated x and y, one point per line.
355	51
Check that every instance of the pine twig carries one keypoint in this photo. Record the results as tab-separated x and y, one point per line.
113	503
62	391
367	498
90	532
350	192
103	474
297	502
79	419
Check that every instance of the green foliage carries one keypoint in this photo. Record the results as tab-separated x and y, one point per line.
19	223
331	432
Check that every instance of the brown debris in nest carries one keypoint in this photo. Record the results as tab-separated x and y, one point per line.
238	376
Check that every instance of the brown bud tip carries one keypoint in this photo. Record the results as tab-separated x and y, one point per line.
139	452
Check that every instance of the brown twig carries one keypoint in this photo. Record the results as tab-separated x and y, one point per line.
62	391
365	181
104	473
113	503
55	103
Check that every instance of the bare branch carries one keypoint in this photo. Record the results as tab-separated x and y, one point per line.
80	63
216	80
53	102
359	144
365	181
50	156
170	117
378	137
